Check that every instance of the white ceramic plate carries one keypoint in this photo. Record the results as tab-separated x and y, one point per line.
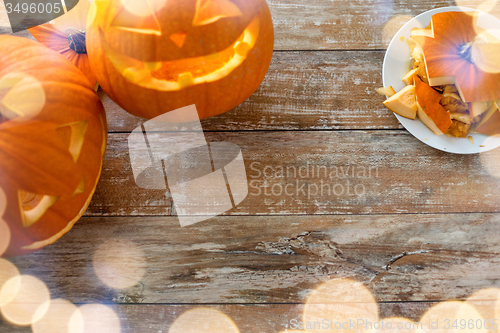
397	63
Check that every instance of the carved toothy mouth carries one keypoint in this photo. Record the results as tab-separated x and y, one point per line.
179	74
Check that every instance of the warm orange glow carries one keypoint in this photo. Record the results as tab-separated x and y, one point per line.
203	320
93	318
4	227
340	301
57	318
4	236
119	263
75	137
34	206
3	202
442	317
173	75
210	11
29	304
143	7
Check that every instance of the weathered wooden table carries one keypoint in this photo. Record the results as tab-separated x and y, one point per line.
421	228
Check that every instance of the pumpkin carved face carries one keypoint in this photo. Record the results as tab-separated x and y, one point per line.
154	56
52	141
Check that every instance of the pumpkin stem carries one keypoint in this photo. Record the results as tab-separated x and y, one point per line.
76	40
466	52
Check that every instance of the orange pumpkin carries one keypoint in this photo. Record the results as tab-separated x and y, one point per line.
154	56
490	124
463	54
430	112
52	141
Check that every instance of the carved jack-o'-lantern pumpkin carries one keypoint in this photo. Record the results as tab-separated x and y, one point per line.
154	56
52	141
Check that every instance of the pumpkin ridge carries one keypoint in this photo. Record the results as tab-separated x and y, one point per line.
451	31
35	156
18	160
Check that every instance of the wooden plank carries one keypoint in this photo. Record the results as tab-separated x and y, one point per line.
360	172
255	319
154	318
338	24
302	90
273	259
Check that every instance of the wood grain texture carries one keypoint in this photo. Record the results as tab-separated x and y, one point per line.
252	319
336	24
391	171
276	259
154	318
356	24
302	90
317	107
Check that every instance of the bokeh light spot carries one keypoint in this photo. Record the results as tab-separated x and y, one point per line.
92	318
340	301
8	271
487	303
203	320
119	263
441	318
486	6
392	27
485	51
57	318
490	160
21	96
92	14
30	302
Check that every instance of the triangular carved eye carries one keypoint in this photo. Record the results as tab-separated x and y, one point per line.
210	11
33	206
144	24
80	188
143	7
75	136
